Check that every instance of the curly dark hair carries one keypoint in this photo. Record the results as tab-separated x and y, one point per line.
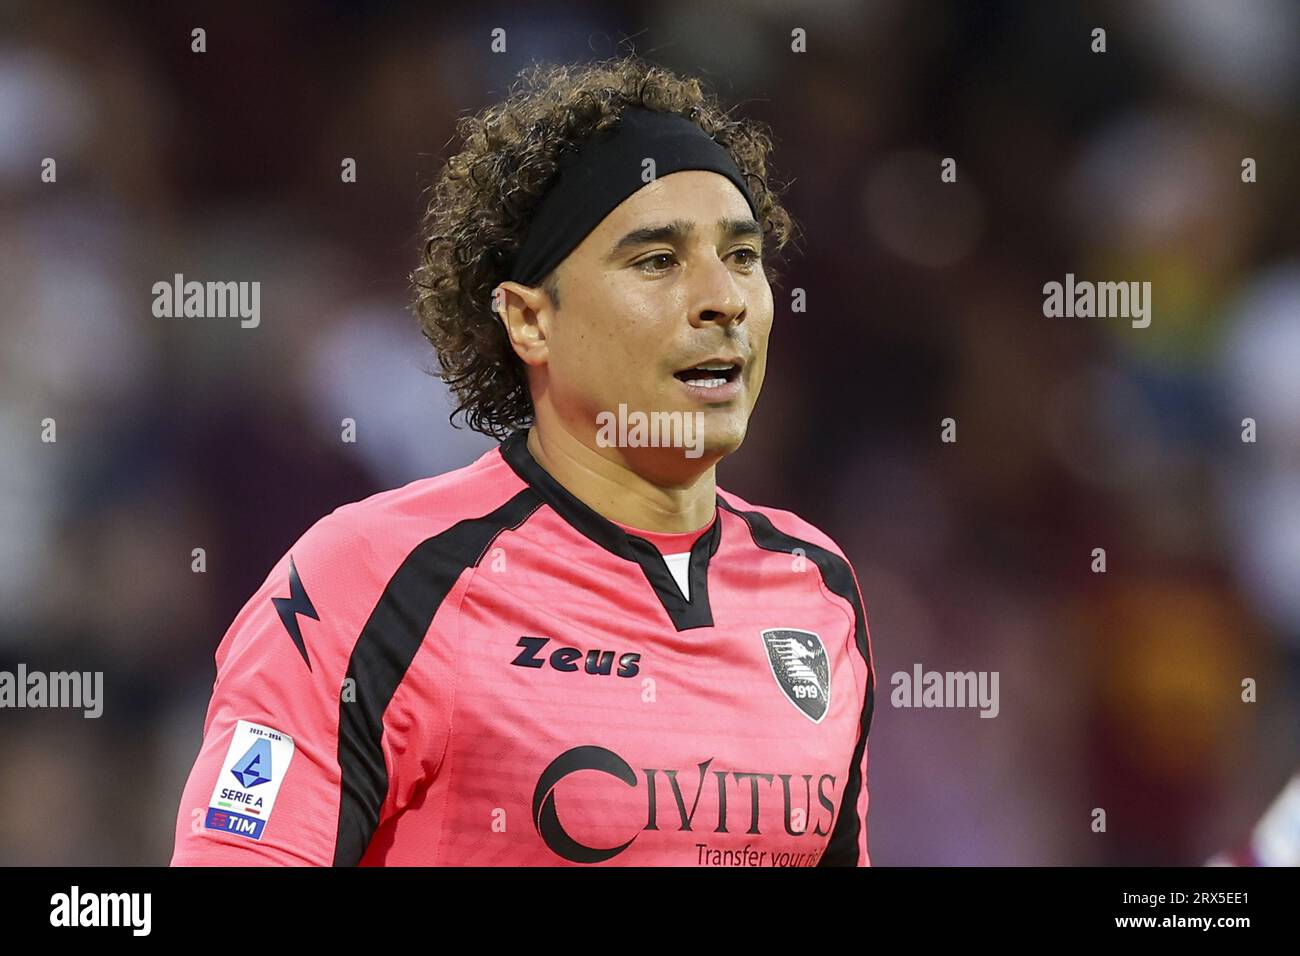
485	196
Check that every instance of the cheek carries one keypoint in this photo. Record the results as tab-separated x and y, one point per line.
604	351
760	342
574	366
767	308
759	374
637	331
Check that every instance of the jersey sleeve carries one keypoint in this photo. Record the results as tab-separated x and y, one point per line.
266	788
848	843
785	531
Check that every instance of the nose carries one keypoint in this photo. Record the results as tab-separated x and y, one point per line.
718	298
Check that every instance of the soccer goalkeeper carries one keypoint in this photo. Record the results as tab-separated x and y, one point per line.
577	649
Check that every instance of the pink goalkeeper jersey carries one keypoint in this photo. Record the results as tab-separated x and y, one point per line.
477	669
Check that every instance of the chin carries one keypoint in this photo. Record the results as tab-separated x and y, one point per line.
722	438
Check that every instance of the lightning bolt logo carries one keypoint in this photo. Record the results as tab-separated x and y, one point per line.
289	608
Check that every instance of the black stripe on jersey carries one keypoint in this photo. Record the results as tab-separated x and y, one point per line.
685	615
842	848
385	649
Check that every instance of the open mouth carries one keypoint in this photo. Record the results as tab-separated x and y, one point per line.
714	374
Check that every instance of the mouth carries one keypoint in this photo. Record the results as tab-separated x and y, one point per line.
713	373
714	381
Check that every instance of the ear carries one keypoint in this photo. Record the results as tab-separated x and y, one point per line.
527	313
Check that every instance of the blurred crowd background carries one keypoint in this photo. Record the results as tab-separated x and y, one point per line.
1119	690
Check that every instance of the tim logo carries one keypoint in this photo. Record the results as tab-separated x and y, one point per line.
801	669
255	766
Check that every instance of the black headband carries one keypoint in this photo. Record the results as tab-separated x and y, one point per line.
604	171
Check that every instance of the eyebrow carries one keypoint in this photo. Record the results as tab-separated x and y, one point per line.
679	230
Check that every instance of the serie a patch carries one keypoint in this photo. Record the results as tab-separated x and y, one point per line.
250	778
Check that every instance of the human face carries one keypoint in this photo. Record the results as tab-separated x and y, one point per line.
671	279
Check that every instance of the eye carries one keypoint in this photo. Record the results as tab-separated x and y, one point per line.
750	256
644	263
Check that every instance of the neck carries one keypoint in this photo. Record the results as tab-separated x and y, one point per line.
611	488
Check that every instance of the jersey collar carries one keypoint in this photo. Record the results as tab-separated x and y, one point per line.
685	615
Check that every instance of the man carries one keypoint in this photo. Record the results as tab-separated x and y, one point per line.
576	650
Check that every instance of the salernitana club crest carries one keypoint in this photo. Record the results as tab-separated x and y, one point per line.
801	668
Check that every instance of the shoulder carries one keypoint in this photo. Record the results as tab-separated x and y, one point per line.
774	529
376	534
780	528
